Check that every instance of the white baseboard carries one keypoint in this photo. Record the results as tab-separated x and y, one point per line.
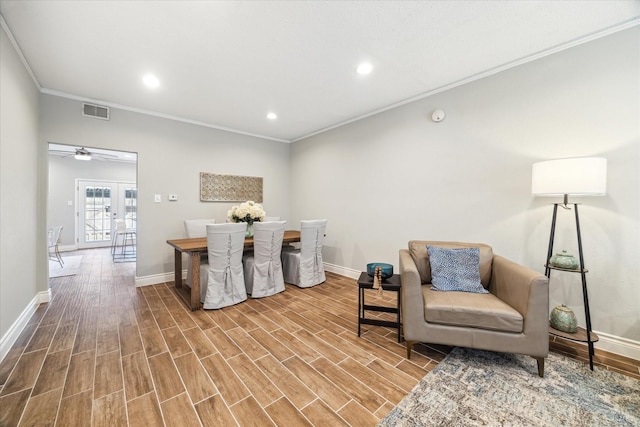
343	271
8	339
618	345
155	279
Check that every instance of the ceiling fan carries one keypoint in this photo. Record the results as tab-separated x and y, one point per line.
81	153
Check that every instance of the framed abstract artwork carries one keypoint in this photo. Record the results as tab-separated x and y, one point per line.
229	188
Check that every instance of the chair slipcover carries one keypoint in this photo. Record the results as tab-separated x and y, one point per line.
196	228
303	267
263	266
222	284
271	218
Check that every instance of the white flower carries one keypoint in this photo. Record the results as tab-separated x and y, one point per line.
248	211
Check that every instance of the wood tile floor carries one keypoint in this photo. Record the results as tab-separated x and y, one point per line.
104	352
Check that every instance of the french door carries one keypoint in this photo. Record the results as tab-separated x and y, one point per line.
100	204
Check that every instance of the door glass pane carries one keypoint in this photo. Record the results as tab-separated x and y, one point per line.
98	214
130	207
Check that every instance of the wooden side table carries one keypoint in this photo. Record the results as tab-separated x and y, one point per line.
390	284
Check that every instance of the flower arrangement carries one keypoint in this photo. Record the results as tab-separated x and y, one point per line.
248	212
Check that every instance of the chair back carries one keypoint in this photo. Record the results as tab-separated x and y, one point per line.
197	227
53	235
311	241
312	237
265	267
225	277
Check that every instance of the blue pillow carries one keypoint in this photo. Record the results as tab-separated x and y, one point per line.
455	269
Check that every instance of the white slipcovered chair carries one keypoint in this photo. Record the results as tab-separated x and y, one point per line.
263	266
271	218
222	282
196	228
303	267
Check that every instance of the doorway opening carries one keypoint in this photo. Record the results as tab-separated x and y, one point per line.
93	197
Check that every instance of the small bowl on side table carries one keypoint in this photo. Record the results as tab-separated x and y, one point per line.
387	269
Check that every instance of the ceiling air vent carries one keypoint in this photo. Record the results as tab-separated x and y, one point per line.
95	111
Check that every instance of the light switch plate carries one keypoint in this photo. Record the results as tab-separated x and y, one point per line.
157	198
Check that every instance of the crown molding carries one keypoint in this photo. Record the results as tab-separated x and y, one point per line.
537	55
14	43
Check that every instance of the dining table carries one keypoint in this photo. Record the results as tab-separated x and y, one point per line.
194	247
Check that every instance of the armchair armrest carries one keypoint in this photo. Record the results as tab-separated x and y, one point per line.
523	289
411	293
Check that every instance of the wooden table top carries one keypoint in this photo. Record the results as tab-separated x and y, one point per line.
199	244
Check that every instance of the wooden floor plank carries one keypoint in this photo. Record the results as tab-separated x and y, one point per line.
25	373
110	410
283	413
137	376
12	406
108	375
144	411
76	410
179	411
165	376
249	413
198	384
214	412
42	409
81	370
54	372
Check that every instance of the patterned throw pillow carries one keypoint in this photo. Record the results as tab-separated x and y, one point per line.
455	269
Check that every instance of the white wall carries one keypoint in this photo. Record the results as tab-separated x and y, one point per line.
398	175
22	238
63	172
171	156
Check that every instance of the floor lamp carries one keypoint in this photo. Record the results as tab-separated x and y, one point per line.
585	176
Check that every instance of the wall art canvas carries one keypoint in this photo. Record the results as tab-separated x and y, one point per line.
229	188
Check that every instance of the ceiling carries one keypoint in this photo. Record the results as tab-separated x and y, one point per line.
226	64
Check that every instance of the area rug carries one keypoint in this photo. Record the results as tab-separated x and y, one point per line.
482	388
71	266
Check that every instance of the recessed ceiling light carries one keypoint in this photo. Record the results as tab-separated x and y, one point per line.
151	81
272	116
364	68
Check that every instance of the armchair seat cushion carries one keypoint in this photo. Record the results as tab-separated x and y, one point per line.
464	309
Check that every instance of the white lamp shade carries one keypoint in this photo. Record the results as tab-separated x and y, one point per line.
585	176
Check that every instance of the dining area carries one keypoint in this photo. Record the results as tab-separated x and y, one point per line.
248	255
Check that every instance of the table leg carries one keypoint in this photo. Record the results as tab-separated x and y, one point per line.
178	268
399	321
195	281
360	310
